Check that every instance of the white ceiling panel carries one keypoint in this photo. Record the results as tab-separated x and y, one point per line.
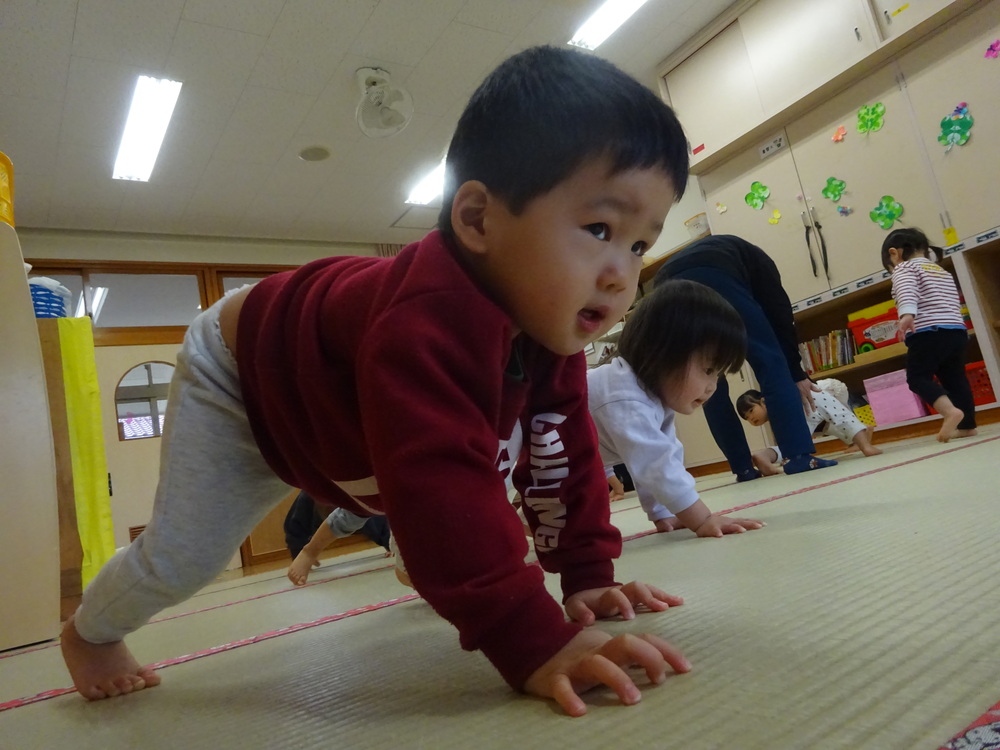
136	33
262	80
252	16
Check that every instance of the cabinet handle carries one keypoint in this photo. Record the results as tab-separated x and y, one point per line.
822	243
812	260
888	18
857	33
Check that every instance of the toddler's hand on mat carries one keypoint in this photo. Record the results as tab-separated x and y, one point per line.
594	658
586	606
720	525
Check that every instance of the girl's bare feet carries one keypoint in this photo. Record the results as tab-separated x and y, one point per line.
304	562
103	670
966	433
863	441
950	419
403	577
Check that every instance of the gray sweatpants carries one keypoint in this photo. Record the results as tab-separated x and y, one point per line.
214	488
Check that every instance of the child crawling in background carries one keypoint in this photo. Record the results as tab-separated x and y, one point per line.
675	345
831	416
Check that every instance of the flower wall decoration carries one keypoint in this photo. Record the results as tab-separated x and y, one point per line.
838	137
886	212
757	195
834	189
871	117
775	217
956	127
845	210
993	51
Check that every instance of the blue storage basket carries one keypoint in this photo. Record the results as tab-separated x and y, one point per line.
47	303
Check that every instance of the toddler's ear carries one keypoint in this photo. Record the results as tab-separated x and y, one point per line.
468	214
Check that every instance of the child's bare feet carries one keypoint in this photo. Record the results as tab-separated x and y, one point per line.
949	421
298	571
403	577
863	442
668	524
103	670
768	470
762	461
966	433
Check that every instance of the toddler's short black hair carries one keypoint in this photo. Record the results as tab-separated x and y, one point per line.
910	241
544	112
747	401
676	321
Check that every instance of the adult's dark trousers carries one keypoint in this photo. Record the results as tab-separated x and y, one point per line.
941	352
765	355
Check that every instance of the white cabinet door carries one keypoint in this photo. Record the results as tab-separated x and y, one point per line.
866	166
692	429
714	94
895	16
783	237
945	71
794	46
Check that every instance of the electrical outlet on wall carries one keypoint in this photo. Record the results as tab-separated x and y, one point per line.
772	146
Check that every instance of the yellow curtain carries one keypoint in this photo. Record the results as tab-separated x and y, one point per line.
86	441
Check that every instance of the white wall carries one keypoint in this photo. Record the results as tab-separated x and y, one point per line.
69	245
674	232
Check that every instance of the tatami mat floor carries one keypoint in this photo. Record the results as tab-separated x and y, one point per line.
866	615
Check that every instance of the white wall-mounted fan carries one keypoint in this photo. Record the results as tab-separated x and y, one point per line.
384	109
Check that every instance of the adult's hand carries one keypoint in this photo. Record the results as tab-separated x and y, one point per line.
806	390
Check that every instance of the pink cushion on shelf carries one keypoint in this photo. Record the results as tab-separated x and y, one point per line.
895	404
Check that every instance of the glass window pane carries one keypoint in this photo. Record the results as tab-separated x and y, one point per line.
141	400
133	300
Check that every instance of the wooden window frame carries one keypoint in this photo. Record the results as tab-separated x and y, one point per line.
208	275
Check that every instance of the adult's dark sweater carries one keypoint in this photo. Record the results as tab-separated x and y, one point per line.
754	268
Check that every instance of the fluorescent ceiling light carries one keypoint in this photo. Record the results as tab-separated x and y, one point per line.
429	188
604	22
152	105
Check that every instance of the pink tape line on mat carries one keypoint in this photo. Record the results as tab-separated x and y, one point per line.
219	606
20	702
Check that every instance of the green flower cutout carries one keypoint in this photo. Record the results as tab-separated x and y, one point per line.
870	117
834	189
956	127
757	195
886	212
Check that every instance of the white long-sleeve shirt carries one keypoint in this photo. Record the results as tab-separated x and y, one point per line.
634	428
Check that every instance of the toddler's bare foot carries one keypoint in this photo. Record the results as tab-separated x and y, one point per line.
966	433
103	670
871	450
298	571
403	578
950	419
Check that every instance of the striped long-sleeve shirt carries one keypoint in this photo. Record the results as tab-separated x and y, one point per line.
925	290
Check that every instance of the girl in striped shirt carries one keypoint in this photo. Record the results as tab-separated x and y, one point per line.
931	324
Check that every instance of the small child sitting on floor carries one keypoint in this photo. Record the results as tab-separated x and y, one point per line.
830	417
